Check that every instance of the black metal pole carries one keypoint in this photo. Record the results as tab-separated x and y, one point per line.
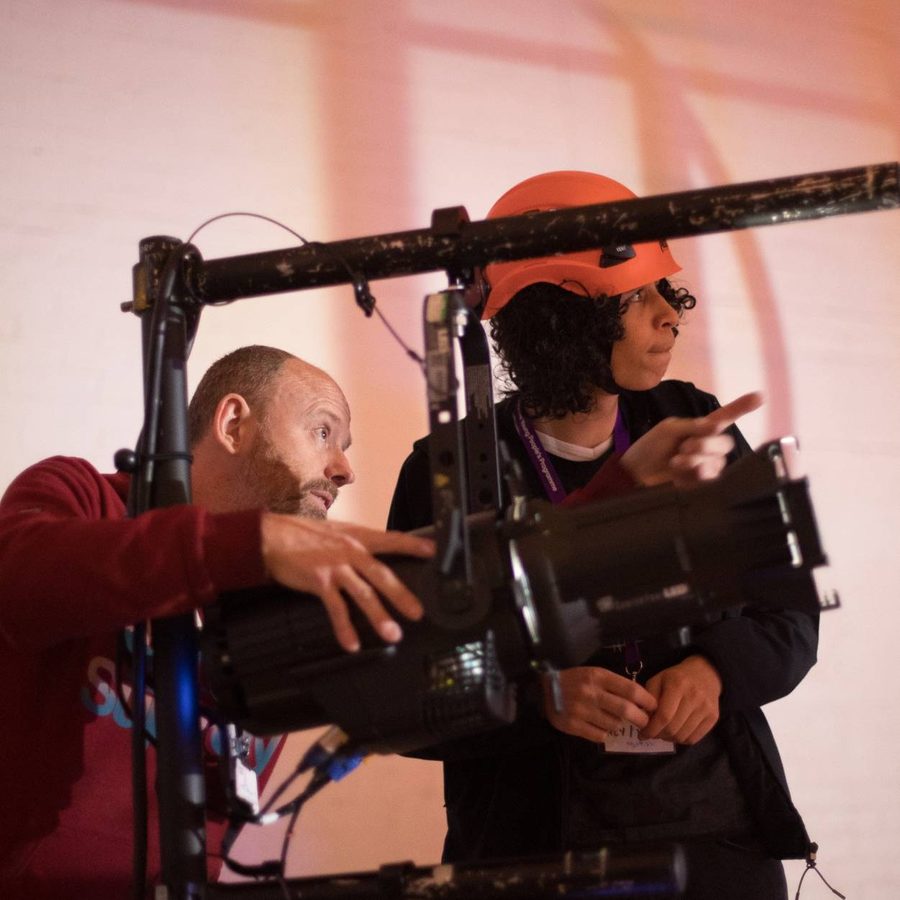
651	872
164	479
180	780
727	208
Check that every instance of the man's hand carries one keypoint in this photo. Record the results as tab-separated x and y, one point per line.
326	558
597	701
687	697
685	451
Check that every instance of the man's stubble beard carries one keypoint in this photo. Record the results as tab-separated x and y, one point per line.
277	488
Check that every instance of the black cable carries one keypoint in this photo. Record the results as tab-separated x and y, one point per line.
317	782
406	348
138	760
288	835
252	215
364	297
124	658
280	790
274	868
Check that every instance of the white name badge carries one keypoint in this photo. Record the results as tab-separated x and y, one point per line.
625	740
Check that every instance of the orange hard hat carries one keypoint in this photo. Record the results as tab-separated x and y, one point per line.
610	271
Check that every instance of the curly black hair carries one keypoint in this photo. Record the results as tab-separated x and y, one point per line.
556	345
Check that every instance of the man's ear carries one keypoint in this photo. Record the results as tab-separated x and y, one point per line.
233	425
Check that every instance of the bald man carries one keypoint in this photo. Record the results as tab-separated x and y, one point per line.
269	437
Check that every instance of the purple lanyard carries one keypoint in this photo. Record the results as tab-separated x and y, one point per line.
542	464
556	493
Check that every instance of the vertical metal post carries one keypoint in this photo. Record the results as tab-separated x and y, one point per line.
166	481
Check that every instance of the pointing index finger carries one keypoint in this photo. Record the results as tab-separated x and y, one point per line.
728	414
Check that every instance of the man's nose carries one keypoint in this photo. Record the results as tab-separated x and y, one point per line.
339	472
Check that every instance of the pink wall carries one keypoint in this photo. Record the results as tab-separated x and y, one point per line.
123	119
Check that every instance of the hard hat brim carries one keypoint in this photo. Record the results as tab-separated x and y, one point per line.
580	273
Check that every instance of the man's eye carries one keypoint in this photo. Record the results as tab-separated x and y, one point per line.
322	433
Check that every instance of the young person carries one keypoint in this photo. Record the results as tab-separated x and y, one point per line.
586	339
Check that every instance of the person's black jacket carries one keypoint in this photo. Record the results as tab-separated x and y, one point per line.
503	789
